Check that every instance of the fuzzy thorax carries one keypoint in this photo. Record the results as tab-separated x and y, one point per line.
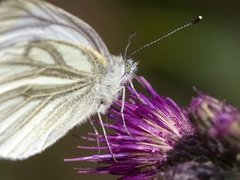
119	73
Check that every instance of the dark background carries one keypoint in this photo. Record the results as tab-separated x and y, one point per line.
206	56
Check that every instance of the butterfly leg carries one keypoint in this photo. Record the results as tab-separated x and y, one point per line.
122	109
96	133
105	133
136	93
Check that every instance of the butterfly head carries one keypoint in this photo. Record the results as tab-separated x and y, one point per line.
130	68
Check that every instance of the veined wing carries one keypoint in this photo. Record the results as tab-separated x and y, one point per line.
31	20
46	88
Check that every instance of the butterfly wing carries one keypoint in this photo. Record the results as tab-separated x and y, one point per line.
46	88
48	84
30	20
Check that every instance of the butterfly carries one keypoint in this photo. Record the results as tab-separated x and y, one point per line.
55	72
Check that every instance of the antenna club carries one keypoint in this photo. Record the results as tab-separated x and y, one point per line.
197	20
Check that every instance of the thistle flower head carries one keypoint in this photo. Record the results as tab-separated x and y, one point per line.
217	118
227	126
155	124
205	107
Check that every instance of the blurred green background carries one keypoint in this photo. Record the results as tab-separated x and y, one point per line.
206	56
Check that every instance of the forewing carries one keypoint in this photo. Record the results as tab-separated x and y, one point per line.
31	20
46	88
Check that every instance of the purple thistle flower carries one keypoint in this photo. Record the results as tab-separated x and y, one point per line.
155	124
206	108
227	127
217	119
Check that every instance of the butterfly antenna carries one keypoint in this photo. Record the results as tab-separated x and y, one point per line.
195	21
131	35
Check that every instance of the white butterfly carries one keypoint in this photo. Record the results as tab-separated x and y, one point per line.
55	71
